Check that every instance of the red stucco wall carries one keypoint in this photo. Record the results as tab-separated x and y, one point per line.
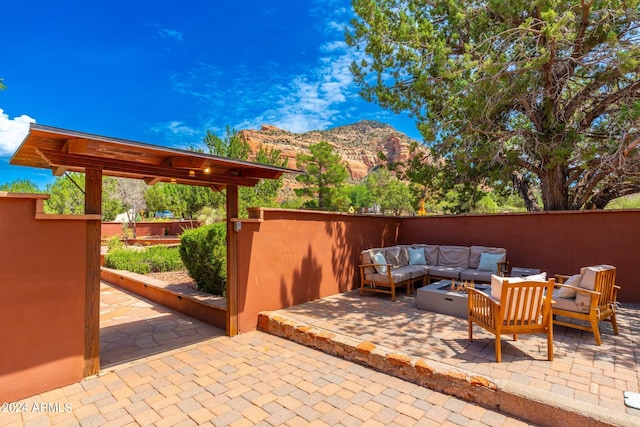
556	242
148	228
297	256
42	277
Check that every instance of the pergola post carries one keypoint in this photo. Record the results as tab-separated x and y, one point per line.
92	205
232	261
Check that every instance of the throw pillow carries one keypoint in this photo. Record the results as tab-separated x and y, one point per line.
378	258
568	292
416	256
489	262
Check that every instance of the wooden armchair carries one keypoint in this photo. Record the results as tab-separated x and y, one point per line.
589	297
523	308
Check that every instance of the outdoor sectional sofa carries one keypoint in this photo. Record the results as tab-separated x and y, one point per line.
387	269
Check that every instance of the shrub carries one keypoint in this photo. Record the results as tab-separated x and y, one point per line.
114	242
153	259
204	253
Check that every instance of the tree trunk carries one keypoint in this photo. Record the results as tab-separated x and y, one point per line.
554	193
523	185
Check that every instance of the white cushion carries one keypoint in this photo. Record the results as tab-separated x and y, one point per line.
496	293
588	281
563	292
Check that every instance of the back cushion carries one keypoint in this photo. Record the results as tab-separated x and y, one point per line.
430	252
516	312
453	256
397	256
588	281
475	251
366	259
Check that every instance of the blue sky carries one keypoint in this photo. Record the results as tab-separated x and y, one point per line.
164	72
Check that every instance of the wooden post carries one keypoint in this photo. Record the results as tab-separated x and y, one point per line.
92	205
232	261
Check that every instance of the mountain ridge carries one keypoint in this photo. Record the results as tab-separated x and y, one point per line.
361	145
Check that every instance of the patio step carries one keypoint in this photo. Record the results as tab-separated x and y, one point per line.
535	406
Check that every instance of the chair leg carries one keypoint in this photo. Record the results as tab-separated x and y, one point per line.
596	331
550	342
498	349
393	293
614	323
470	331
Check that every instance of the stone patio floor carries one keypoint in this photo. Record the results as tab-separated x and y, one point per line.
595	376
162	368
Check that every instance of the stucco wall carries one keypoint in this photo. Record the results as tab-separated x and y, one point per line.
556	242
42	282
148	228
298	256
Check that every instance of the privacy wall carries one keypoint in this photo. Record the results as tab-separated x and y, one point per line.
291	257
555	242
42	284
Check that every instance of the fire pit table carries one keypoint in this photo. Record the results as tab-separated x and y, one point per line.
440	298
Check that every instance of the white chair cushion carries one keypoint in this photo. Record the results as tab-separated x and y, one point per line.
588	281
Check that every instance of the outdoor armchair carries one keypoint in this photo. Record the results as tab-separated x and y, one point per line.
518	306
588	297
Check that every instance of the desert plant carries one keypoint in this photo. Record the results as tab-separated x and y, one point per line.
203	251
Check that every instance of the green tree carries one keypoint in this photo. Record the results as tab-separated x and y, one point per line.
234	146
324	173
20	185
388	192
543	97
360	196
67	195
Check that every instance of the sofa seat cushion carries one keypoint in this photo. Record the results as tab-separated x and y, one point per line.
475	275
568	304
398	275
445	272
454	256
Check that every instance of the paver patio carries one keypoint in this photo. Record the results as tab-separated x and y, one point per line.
191	374
590	374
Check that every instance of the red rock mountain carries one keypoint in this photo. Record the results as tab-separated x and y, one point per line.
359	144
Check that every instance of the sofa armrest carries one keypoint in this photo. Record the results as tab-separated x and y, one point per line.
504	269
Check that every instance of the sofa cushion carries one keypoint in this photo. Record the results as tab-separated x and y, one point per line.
489	262
378	258
476	251
430	252
568	304
416	256
563	292
476	275
366	259
588	281
517	304
396	256
454	256
398	275
446	272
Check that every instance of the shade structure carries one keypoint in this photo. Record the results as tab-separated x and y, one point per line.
63	150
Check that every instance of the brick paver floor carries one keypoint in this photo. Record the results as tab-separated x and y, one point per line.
580	370
250	379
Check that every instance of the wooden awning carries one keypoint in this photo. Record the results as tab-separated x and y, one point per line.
64	150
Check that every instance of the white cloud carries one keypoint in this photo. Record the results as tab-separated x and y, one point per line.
12	132
170	34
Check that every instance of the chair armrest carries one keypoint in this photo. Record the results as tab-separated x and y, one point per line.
560	278
482	307
373	265
578	289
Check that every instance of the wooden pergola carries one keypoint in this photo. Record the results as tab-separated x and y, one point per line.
63	150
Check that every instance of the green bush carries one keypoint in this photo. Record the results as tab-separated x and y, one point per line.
204	253
150	260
